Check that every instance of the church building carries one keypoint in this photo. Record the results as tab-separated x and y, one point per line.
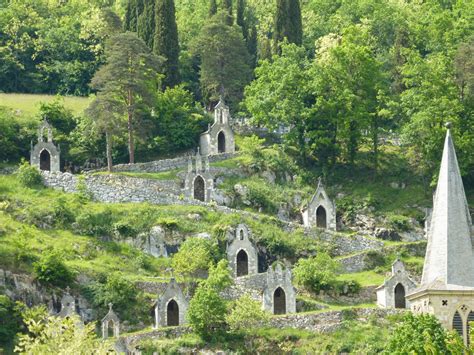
447	285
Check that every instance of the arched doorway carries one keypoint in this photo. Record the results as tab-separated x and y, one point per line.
45	160
400	296
221	142
279	301
321	217
241	234
110	329
199	188
172	314
242	263
457	324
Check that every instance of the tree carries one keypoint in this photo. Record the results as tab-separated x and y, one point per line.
279	95
207	310
193	257
106	115
146	23
50	269
227	7
246	315
316	273
130	20
166	41
54	335
212	8
287	24
10	321
129	77
421	334
225	68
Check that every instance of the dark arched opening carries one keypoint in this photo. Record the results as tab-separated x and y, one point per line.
110	329
45	160
457	324
242	263
172	314
400	296
199	189
321	217
221	142
241	234
279	301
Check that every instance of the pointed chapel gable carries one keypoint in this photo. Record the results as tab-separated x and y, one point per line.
320	208
449	256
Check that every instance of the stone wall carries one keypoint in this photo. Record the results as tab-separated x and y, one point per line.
353	263
328	321
165	164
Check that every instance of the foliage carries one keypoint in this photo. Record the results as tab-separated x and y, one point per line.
54	335
9	140
94	223
29	176
225	62
194	257
10	320
207	310
316	273
288	23
63	213
421	334
50	269
166	40
246	315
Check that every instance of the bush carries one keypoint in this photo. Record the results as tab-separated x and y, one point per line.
194	257
29	176
417	333
246	315
94	223
10	321
400	223
374	259
50	269
316	273
62	213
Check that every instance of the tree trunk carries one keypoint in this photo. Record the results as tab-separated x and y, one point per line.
131	147
108	141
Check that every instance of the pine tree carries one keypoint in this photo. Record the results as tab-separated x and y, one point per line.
212	8
146	23
166	40
241	17
252	46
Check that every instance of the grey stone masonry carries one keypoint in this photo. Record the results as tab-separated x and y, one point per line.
171	306
392	293
44	154
219	138
320	211
241	253
279	296
110	324
199	182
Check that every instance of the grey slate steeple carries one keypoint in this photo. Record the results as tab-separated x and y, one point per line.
449	260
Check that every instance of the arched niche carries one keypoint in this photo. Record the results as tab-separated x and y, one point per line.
221	142
242	263
321	218
399	293
199	188
172	313
279	301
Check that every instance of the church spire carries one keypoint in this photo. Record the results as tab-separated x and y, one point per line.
449	256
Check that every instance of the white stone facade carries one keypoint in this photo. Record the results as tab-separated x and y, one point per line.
279	296
45	155
199	182
219	138
393	291
320	211
241	253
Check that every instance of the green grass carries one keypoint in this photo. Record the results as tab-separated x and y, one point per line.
29	104
165	175
364	278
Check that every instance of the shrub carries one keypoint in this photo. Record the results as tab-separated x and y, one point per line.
398	222
62	213
50	269
194	256
29	176
374	259
10	321
247	314
316	273
22	249
94	223
83	192
417	333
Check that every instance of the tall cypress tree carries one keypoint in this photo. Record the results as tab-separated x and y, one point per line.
287	23
166	40
295	26
212	8
227	6
241	17
146	23
130	20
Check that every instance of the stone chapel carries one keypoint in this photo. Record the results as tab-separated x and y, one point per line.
44	154
219	138
320	211
447	285
199	182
